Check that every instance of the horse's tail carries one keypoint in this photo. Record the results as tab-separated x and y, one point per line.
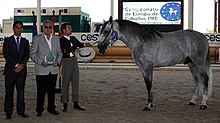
209	72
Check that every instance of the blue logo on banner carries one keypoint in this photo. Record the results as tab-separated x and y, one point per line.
171	11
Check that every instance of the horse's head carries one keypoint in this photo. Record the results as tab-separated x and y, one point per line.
106	35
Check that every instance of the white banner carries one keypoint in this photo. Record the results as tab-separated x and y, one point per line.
152	12
213	38
82	37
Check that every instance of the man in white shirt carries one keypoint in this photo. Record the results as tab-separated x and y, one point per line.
70	70
46	71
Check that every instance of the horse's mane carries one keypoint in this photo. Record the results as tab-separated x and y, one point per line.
132	28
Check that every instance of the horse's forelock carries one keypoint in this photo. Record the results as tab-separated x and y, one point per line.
103	27
106	26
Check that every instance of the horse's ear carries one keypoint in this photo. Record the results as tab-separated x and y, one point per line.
103	21
110	19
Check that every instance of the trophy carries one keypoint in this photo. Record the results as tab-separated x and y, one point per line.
50	58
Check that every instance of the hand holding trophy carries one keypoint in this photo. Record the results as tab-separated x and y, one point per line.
56	63
44	63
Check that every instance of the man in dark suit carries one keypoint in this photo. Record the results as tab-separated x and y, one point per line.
46	72
70	70
16	53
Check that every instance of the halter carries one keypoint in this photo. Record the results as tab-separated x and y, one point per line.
114	37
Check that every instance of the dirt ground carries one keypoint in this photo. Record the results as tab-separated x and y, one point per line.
119	95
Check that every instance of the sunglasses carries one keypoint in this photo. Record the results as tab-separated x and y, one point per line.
18	27
48	27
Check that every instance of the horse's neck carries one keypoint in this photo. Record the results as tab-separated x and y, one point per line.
128	42
124	37
131	43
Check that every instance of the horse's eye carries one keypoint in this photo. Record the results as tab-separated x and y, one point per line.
105	32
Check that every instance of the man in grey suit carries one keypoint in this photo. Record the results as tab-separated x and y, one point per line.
46	53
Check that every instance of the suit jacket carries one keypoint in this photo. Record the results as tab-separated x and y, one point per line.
39	49
13	56
66	45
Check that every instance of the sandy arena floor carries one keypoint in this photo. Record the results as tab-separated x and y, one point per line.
119	95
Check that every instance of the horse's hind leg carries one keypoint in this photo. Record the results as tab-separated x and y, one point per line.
199	74
205	90
195	75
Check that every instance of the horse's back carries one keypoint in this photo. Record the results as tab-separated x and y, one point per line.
177	46
186	38
197	36
194	44
197	40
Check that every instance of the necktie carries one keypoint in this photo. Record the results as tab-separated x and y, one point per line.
17	42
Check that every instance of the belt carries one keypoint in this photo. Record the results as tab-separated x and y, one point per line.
71	54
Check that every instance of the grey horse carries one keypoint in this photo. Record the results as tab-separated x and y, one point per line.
151	48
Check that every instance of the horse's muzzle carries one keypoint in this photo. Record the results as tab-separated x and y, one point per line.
101	48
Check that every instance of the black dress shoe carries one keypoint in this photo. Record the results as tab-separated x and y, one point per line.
64	108
78	107
7	116
38	114
54	112
23	115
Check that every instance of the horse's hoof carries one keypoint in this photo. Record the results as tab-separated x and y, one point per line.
149	108
203	107
192	104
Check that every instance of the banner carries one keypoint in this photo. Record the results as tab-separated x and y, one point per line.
52	20
213	38
34	27
60	23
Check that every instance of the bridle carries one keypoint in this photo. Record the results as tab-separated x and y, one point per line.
113	34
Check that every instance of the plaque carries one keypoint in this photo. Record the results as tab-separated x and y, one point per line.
50	58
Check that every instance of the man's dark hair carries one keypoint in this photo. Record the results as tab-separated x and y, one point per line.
16	22
63	26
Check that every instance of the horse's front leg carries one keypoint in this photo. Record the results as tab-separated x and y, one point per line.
148	81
